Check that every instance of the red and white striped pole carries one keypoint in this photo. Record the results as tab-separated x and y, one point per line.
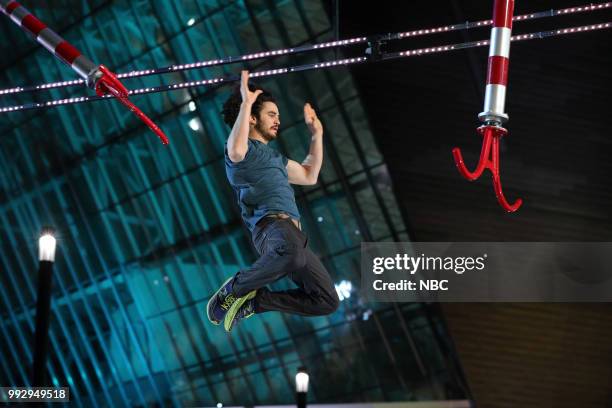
52	41
96	76
499	59
493	115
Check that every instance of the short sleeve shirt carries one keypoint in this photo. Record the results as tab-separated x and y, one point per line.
261	183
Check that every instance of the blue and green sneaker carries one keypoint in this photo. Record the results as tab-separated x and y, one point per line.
221	302
243	308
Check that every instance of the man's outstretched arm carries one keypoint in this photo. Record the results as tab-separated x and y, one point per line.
307	173
237	143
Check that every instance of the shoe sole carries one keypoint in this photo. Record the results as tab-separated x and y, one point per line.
231	313
215	322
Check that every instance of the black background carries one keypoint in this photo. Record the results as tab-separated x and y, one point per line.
557	154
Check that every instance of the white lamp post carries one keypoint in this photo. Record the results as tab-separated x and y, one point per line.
46	258
301	387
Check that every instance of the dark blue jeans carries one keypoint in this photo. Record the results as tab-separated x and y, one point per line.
284	252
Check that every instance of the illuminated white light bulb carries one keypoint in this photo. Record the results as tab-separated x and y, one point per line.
191	22
194	124
46	247
301	381
344	289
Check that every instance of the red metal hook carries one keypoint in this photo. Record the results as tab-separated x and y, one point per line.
491	135
109	83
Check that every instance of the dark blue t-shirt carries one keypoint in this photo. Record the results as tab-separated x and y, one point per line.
261	183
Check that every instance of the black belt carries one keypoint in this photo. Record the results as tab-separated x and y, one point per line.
266	219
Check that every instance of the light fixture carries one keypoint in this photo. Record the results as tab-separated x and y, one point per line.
192	106
194	124
46	246
191	22
301	387
344	289
46	258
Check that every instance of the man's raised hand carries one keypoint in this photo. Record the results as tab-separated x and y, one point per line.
247	95
312	121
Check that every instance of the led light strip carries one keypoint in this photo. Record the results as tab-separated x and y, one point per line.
183	85
305	48
319	65
194	65
485	23
485	43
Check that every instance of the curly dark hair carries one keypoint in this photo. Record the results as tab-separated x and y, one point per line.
231	107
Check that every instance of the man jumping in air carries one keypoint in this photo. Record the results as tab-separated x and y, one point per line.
261	178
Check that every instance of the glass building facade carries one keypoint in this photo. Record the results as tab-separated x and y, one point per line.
146	232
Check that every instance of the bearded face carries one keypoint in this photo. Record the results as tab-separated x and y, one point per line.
268	123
